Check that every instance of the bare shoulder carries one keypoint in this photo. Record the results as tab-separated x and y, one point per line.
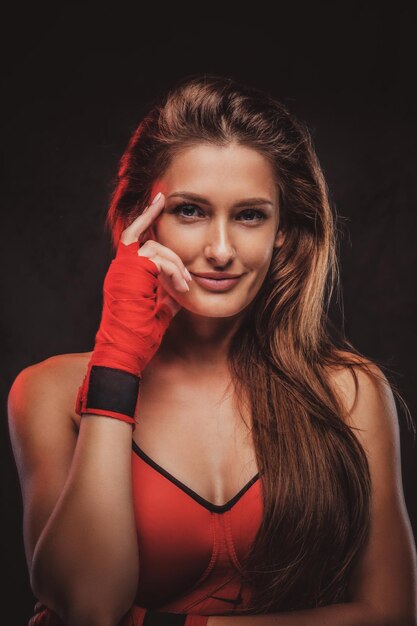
42	398
370	410
367	398
56	378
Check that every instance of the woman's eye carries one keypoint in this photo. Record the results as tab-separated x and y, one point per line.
258	215
184	207
249	215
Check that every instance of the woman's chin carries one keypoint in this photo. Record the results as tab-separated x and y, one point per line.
214	309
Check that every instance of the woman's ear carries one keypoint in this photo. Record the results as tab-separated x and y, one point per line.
280	238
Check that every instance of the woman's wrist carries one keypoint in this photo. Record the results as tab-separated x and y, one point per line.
109	392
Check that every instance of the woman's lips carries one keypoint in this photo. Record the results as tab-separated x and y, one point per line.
216	284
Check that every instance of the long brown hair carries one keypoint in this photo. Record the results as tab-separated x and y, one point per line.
315	475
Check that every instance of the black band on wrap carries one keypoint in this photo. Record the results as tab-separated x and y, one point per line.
113	389
153	618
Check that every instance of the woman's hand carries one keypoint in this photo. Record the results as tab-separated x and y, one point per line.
137	310
173	274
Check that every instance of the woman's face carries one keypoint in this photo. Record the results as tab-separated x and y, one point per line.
221	214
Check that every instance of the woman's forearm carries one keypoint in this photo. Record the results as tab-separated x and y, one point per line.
345	614
86	559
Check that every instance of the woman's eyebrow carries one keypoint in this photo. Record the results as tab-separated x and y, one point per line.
197	198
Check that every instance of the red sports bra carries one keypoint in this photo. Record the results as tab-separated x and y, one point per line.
190	550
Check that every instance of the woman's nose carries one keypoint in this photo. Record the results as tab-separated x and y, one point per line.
219	247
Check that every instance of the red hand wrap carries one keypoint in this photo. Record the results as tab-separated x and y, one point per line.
131	329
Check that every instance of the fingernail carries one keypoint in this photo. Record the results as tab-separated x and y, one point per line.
186	284
188	274
155	200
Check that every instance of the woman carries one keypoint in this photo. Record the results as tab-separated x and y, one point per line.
230	459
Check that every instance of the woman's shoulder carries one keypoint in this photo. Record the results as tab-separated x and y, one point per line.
53	382
340	369
350	366
57	371
362	388
62	365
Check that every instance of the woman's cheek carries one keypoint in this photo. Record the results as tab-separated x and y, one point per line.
172	235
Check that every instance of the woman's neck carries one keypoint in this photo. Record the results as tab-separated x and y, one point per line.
199	340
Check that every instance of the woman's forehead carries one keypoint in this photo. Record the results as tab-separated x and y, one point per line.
235	171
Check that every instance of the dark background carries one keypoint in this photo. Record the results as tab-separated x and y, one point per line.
77	81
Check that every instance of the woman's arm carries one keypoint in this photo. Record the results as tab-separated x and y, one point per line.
80	534
86	563
383	587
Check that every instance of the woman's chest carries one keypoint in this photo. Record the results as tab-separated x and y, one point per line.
192	429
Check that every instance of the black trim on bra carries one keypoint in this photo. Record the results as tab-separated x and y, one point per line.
215	508
155	618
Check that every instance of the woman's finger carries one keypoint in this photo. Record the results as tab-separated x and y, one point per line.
143	221
156	251
170	273
150	248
